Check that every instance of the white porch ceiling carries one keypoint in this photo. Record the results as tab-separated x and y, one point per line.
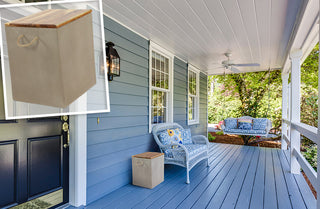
201	31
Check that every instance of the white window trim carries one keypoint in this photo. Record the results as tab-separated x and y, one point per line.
197	108
158	49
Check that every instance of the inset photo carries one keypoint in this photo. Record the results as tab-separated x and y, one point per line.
53	59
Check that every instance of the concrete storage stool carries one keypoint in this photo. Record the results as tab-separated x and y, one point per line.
51	56
147	169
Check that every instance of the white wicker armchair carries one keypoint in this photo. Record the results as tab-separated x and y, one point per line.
183	155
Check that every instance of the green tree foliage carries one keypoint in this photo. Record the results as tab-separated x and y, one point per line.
251	94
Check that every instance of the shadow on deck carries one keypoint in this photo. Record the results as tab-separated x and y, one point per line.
238	177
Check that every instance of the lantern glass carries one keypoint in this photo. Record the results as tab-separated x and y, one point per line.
113	61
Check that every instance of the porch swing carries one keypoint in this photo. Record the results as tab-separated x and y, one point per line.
247	126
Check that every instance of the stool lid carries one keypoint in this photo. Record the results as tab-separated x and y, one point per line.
51	18
148	155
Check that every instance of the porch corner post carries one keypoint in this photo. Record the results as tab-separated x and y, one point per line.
295	58
284	129
317	187
78	155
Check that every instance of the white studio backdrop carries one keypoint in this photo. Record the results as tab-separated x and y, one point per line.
95	100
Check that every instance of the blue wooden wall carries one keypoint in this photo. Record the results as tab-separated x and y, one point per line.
181	98
124	131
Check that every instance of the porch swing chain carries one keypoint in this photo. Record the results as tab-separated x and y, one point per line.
268	95
224	98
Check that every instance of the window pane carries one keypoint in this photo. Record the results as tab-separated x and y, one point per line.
157	79
162	80
160	99
162	63
154	98
153	60
164	99
153	116
190	113
153	77
157	61
158	107
166	81
166	64
164	115
192	83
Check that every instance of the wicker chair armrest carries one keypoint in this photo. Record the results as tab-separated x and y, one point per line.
200	139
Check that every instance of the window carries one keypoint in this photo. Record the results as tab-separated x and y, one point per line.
160	86
193	95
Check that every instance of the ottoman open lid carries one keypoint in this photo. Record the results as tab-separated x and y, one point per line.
51	18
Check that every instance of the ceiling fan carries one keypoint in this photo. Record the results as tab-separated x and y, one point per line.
228	64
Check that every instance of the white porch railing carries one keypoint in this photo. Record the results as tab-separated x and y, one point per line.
292	128
311	133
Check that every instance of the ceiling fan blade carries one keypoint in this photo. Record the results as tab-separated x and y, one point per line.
218	68
247	65
235	70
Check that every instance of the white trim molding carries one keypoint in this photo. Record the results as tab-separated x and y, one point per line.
153	47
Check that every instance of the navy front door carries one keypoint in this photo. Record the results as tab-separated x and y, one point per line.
34	161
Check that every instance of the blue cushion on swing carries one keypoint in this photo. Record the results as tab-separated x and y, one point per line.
245	123
231	123
259	123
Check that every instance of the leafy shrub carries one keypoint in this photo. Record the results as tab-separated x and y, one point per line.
311	155
219	133
211	138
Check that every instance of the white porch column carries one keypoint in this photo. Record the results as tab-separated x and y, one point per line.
317	187
78	154
295	57
284	109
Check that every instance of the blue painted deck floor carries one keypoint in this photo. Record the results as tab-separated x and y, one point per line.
238	177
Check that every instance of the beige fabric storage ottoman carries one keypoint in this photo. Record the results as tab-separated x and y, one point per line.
147	169
51	56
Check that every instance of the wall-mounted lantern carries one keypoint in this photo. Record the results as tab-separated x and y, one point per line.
113	61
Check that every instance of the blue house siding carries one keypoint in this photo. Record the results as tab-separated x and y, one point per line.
180	94
180	101
124	131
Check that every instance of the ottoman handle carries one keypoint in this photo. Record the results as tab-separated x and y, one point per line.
28	44
139	163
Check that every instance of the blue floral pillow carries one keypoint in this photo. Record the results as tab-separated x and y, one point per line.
231	123
186	136
245	123
260	123
170	136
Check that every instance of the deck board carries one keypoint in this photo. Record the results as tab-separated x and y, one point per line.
238	177
281	187
270	194
259	183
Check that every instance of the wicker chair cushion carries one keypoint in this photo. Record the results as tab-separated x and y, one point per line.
193	150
